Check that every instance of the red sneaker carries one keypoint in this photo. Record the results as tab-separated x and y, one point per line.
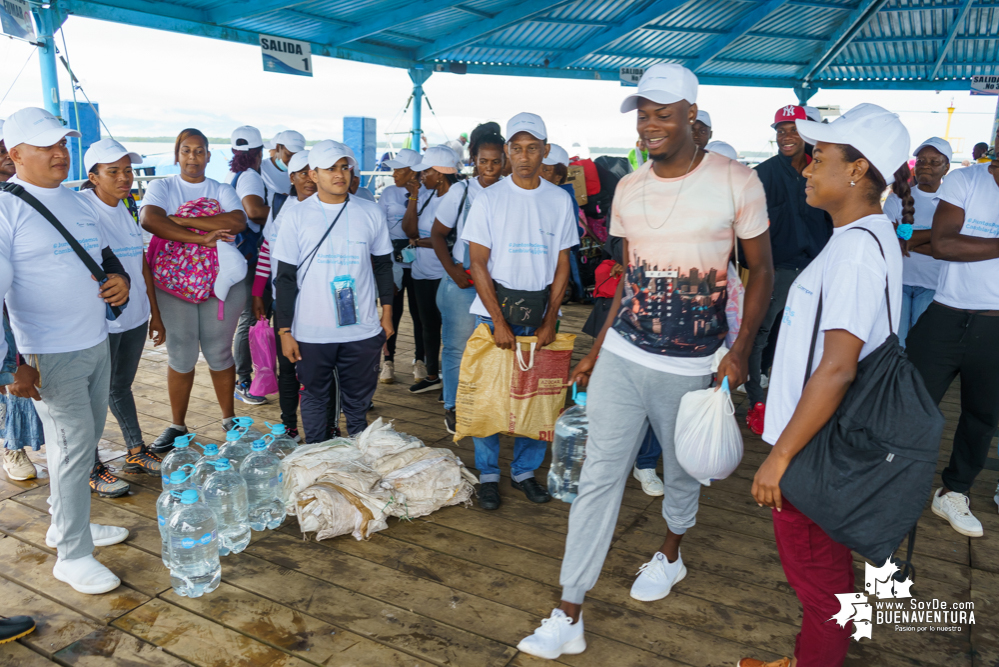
754	418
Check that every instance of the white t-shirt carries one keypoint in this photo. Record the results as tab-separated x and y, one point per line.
271	233
360	233
364	193
172	192
427	266
275	179
851	275
525	230
251	183
124	235
54	303
393	202
448	213
972	285
918	270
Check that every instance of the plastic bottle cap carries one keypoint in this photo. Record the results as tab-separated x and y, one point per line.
278	429
183	440
211	449
222	464
243	421
258	445
177	477
233	436
580	398
189	497
259	441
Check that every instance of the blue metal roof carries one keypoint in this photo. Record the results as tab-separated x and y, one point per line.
807	44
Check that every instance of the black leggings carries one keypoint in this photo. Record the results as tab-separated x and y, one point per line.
414	312
430	316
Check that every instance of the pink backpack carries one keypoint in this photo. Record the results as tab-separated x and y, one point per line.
186	270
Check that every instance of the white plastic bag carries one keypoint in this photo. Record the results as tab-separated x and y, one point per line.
707	438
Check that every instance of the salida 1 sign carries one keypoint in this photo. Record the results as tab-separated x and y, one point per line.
286	56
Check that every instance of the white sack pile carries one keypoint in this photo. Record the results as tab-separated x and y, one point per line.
352	486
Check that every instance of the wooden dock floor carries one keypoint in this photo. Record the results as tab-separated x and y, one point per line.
461	586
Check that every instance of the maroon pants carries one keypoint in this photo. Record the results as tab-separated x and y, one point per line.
817	569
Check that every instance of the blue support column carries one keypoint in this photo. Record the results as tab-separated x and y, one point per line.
804	93
418	76
48	23
362	137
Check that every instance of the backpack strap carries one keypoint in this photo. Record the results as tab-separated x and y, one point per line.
88	261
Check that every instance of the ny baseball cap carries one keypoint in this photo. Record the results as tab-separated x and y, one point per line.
556	155
290	139
441	158
665	83
107	151
789	114
35	127
247	133
941	145
704	117
527	122
406	157
813	114
327	153
722	148
876	132
298	161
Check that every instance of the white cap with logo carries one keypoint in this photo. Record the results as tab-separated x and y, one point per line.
247	133
526	122
327	153
441	158
874	131
704	117
298	161
406	157
722	148
556	155
107	151
942	146
290	139
813	113
665	83
35	127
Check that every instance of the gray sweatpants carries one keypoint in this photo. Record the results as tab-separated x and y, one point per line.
73	410
623	400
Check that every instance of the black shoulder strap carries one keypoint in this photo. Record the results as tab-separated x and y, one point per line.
425	204
461	205
329	229
92	266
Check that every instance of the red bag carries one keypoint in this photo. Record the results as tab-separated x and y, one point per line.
186	270
606	286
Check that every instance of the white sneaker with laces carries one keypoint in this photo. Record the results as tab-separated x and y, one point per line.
419	370
387	375
764	381
657	578
651	484
85	575
557	635
995	498
954	507
17	465
103	536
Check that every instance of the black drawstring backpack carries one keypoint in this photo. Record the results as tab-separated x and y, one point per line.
864	478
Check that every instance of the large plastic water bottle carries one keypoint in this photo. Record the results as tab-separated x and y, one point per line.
225	492
262	472
280	444
569	449
194	548
244	425
181	455
205	466
166	505
235	448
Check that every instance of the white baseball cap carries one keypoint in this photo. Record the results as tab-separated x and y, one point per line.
35	127
941	145
526	122
665	83
441	158
722	148
874	131
107	151
298	161
406	157
248	133
704	117
290	139
327	153
556	155
813	113
270	145
1	129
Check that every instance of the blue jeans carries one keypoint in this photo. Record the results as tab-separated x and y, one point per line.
648	455
528	453
577	280
915	301
457	325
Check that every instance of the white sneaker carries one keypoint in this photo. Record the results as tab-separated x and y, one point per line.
17	465
556	636
103	536
419	370
764	381
387	375
995	498
651	484
657	578
954	507
85	575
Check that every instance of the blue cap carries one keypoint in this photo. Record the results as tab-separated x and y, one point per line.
243	421
277	429
233	436
178	477
221	464
189	497
183	440
211	449
580	398
258	445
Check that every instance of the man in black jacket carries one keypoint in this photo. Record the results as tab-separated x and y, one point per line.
798	233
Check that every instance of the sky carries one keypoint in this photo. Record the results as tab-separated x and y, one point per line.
157	83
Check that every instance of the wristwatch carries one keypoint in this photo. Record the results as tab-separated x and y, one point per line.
285	330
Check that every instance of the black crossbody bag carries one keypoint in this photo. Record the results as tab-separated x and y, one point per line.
13	188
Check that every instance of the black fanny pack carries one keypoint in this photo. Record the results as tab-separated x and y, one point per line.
522	308
397	246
